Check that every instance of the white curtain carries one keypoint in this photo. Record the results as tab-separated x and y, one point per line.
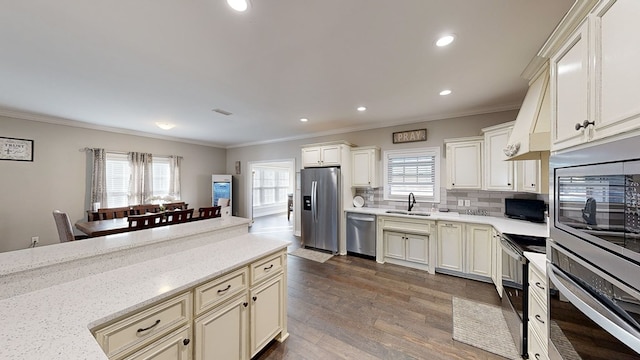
141	179
99	178
175	163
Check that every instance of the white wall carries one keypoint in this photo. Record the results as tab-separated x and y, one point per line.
58	178
437	131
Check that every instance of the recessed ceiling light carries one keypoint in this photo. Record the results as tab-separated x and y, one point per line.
361	108
445	40
165	125
239	5
304	119
445	92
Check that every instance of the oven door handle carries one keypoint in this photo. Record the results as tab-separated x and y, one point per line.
594	309
507	247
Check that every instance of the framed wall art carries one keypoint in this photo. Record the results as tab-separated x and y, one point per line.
16	149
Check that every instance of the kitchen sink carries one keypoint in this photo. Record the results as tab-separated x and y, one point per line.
418	214
401	212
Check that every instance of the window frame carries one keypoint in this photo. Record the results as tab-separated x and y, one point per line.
425	151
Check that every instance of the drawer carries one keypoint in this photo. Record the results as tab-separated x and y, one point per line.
538	316
537	283
266	267
222	288
417	226
538	348
145	326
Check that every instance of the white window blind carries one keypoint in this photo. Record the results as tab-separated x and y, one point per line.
161	176
414	171
117	173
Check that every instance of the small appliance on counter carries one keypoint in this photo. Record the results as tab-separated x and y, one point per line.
525	209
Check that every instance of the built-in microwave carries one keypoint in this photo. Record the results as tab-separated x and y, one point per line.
594	208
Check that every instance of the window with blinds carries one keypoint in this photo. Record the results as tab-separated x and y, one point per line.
414	171
117	173
161	175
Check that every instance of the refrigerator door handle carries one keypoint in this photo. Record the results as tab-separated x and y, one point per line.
314	199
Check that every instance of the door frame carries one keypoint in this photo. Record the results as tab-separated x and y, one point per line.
293	187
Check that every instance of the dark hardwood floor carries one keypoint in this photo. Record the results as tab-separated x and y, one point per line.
354	308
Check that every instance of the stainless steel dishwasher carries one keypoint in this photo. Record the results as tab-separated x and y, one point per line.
361	234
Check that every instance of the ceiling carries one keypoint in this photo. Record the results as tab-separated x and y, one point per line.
126	65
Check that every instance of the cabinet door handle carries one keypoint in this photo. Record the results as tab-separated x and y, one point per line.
537	356
584	124
245	304
533	185
508	184
186	342
539	285
150	327
539	318
255	298
225	289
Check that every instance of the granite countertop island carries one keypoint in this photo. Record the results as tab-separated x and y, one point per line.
83	284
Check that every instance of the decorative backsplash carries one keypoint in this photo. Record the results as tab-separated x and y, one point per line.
481	202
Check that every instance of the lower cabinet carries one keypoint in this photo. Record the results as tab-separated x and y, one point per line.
406	246
465	248
407	242
234	317
175	346
496	261
538	327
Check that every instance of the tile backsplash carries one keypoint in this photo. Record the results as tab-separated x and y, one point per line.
491	202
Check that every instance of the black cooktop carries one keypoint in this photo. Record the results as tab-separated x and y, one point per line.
534	244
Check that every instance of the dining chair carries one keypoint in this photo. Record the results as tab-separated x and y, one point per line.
138	222
178	216
65	230
114	213
209	212
176	205
144	209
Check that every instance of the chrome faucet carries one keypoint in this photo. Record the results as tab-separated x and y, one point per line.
411	203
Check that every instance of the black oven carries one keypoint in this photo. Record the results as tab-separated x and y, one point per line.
595	257
515	290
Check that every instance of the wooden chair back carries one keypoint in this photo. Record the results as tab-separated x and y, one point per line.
137	222
113	213
178	216
209	212
145	209
181	205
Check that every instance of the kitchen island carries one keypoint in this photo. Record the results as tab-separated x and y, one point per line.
54	296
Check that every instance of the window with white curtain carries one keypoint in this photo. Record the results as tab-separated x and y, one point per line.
414	171
270	186
118	173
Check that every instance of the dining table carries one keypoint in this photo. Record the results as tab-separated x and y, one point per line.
104	227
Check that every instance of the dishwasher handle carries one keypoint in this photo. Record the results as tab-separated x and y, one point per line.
361	218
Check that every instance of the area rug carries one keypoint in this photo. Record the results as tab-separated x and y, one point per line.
482	326
311	255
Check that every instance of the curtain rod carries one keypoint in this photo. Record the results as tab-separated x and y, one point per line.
86	149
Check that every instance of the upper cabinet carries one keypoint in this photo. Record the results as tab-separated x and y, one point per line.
499	173
329	154
464	163
595	78
365	167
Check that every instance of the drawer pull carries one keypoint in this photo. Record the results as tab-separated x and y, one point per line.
186	342
150	327
539	319
539	285
537	356
268	267
225	289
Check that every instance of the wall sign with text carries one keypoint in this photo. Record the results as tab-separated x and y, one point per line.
410	136
16	149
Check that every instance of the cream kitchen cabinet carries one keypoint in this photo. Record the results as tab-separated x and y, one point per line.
478	249
538	314
464	249
496	261
223	331
405	241
365	166
464	163
175	346
529	176
498	173
450	246
595	78
325	154
267	312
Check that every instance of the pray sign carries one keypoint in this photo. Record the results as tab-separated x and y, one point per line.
410	136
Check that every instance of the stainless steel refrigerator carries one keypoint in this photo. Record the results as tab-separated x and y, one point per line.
320	191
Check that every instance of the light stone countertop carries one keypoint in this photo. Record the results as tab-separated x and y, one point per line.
503	225
54	322
537	260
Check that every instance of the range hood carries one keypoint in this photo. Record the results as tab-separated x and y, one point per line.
530	138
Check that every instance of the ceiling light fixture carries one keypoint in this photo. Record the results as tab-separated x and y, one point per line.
239	5
445	40
165	126
445	92
361	108
304	119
